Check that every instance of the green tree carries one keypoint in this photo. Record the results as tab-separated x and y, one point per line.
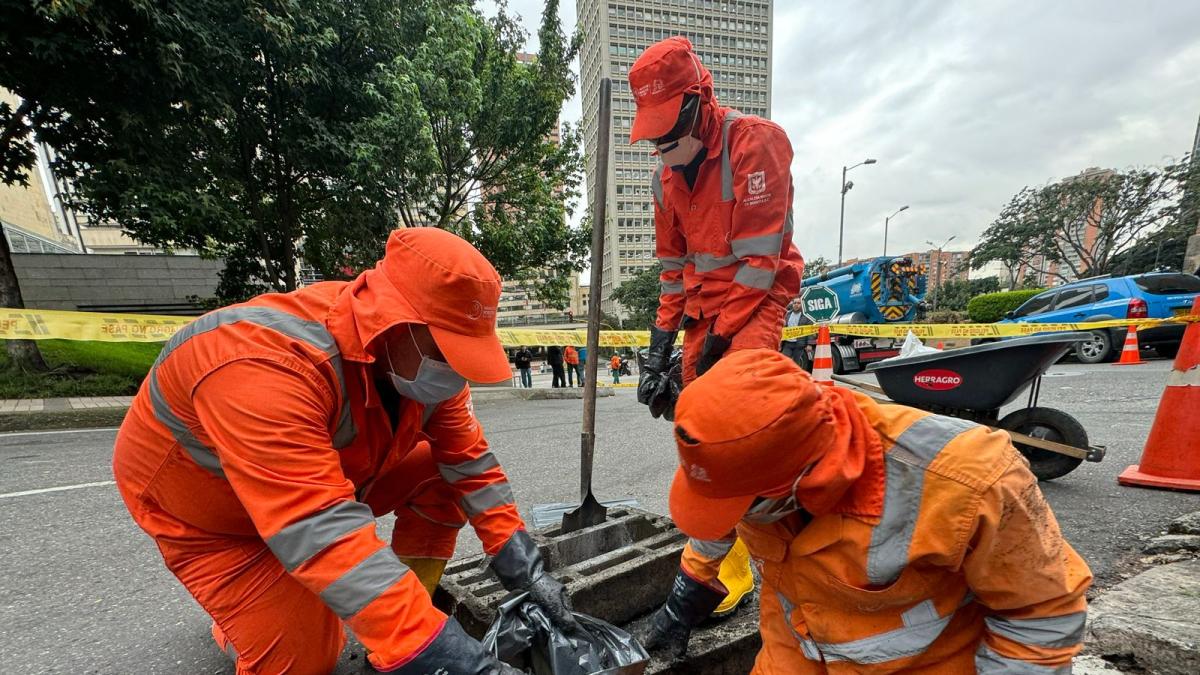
639	296
284	131
817	266
956	293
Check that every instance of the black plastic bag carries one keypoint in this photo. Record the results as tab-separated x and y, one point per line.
523	636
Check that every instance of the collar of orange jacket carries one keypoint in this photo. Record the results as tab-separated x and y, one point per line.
849	478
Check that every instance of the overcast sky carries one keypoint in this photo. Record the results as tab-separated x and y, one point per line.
963	104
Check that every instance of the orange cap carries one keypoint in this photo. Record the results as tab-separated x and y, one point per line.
454	290
659	79
728	455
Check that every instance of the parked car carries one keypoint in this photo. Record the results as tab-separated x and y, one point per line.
1155	295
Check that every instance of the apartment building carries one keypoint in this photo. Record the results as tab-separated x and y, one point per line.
732	38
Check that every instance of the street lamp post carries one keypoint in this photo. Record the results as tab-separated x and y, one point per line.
846	188
937	288
885	226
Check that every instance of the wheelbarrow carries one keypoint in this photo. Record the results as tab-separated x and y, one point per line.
973	383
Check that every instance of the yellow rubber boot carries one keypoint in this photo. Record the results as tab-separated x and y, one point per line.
737	577
428	571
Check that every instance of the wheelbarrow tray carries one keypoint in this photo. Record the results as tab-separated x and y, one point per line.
984	377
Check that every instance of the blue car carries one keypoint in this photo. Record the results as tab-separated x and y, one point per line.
1155	295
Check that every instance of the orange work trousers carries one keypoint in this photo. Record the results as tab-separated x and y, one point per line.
262	617
761	331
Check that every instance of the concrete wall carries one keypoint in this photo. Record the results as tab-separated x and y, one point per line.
150	282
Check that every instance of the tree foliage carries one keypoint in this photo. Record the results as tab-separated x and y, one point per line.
286	131
992	307
639	296
953	295
817	266
1089	224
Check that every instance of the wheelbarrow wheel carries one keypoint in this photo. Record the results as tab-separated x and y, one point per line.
1051	425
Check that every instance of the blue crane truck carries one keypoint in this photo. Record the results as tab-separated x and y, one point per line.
879	290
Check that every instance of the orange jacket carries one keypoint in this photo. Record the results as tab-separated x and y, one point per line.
726	245
261	419
570	355
965	571
615	362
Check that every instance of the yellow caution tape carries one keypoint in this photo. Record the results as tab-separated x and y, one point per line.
45	324
42	324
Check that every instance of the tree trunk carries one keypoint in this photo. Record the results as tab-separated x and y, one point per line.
24	353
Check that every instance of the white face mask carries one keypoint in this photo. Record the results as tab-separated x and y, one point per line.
680	152
771	510
434	382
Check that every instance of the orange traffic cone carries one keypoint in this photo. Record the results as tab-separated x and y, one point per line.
1171	458
823	357
1130	354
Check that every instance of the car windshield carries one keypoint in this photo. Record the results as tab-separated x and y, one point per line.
1166	284
1037	305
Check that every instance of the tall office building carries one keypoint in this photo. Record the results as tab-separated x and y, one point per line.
733	39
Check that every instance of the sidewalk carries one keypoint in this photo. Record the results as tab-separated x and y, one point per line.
27	405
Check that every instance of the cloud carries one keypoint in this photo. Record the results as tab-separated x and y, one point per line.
965	103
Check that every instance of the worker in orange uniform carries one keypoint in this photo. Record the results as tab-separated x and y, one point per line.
723	227
269	435
889	539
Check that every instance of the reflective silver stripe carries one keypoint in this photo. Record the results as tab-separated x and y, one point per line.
670	287
726	165
312	332
767	244
787	223
988	662
711	549
452	473
905	466
754	277
496	494
807	646
922	626
656	186
364	582
200	453
672	263
303	539
707	262
1050	631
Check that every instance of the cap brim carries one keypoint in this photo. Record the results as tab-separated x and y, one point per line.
654	121
478	359
701	517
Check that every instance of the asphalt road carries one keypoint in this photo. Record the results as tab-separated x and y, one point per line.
82	590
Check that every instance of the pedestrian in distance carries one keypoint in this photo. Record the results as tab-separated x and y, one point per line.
723	227
571	360
270	434
554	358
524	362
582	364
794	348
614	365
889	539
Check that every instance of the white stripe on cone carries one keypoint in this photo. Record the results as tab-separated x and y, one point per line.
823	358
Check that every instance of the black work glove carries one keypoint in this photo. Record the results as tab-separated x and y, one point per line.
653	380
688	605
520	568
714	348
452	652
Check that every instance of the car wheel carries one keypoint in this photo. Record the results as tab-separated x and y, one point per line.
1096	349
1051	425
1167	351
838	368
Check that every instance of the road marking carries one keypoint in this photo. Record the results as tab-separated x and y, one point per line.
26	493
17	434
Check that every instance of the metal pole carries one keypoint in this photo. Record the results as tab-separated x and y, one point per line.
599	202
842	220
885	226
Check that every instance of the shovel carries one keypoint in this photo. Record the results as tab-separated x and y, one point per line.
592	512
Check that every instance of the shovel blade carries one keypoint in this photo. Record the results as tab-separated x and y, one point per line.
589	513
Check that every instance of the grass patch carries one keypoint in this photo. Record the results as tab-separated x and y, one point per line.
81	368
